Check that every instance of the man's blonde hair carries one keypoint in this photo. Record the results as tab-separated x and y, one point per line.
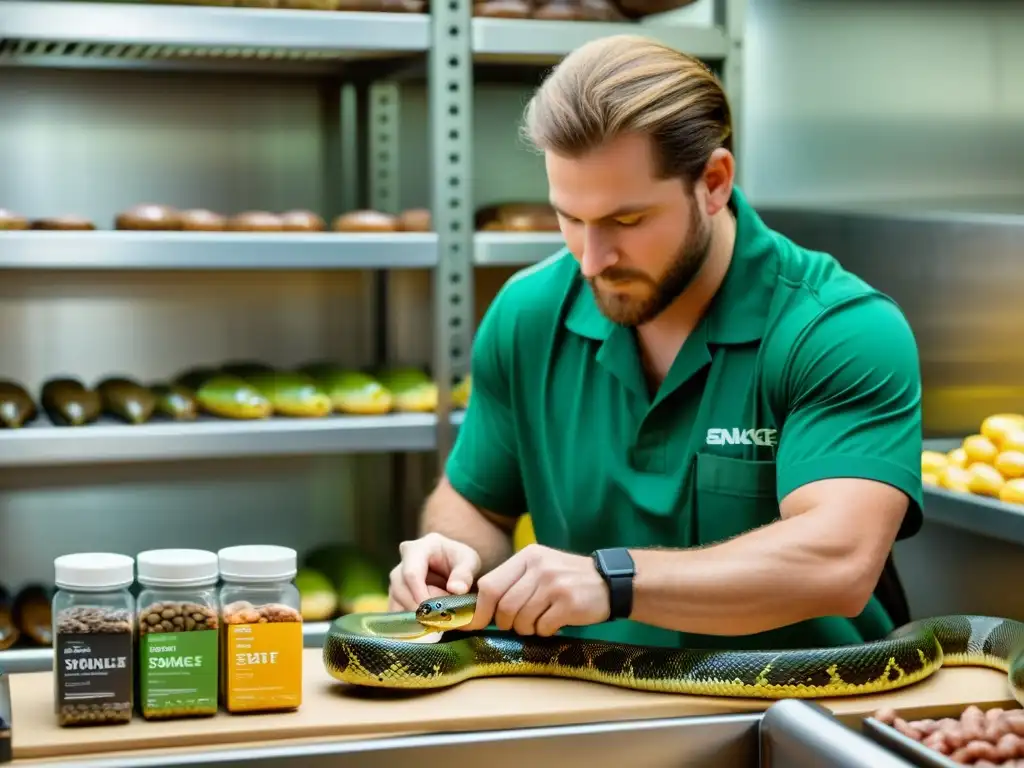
630	84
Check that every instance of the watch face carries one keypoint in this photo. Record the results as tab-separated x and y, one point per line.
616	562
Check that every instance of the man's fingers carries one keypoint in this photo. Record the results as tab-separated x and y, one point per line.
399	597
492	587
461	578
550	621
523	612
462	563
414	574
435	579
511	603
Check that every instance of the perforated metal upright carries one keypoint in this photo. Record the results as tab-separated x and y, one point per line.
450	95
730	16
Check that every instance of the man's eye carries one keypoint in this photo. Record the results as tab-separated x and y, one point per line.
629	221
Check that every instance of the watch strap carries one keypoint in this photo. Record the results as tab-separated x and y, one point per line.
617	569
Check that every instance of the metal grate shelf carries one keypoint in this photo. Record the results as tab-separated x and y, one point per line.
215	250
136	34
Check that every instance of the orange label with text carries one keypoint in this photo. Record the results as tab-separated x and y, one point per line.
264	666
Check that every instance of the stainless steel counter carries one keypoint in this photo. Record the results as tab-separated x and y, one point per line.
790	734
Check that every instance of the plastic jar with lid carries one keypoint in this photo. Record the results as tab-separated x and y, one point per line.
178	618
93	637
260	612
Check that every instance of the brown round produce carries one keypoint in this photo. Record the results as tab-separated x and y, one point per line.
10	220
414	220
309	5
559	10
534	221
66	223
600	10
302	221
502	9
366	221
202	220
993	737
403	6
149	217
255	221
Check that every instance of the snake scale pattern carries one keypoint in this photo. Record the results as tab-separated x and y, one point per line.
375	650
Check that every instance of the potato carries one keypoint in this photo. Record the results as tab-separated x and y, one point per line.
985	479
980	449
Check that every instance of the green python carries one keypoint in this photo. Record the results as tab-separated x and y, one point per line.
374	649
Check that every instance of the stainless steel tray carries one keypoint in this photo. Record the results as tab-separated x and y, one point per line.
912	751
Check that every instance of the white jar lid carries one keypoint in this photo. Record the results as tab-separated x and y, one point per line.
93	571
257	562
177	567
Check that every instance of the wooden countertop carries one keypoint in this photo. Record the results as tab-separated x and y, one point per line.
333	711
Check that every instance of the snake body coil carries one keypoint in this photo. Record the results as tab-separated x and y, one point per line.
375	650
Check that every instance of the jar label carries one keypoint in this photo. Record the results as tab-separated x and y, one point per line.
178	673
264	666
93	677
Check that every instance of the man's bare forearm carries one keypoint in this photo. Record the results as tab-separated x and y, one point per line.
449	514
777	575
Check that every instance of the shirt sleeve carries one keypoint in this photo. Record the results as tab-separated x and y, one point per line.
483	465
852	386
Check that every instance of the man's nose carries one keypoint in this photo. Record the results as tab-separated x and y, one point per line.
598	253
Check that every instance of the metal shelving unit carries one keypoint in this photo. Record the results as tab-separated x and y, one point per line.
359	58
529	41
215	250
504	249
972	512
101	34
43	444
98	35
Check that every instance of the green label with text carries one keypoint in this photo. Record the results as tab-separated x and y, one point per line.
178	673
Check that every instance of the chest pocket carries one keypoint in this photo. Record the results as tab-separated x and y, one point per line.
735	488
733	496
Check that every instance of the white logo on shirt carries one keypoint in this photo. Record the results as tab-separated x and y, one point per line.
742	437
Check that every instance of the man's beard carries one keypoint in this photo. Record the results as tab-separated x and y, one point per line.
628	310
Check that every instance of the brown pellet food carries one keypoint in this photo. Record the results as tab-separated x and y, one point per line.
93	651
95	714
90	620
244	612
177	617
981	738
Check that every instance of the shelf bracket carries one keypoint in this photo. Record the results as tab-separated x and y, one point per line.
451	122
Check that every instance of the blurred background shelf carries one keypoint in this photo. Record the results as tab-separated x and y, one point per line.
981	515
507	249
534	41
43	444
141	34
215	250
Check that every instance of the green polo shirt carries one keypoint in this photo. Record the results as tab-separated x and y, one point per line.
799	371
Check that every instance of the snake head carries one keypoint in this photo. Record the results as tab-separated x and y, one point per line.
433	613
447	612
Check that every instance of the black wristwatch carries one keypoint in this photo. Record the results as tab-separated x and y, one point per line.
617	568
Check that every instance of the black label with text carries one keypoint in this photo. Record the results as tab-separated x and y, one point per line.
94	669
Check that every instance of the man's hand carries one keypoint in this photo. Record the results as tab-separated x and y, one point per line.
432	565
539	590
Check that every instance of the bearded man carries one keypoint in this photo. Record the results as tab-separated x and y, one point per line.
716	431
